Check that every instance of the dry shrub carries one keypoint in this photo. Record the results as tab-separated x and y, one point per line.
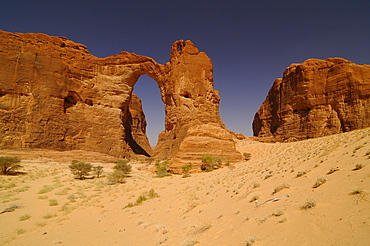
310	203
333	170
358	167
281	187
301	173
249	241
319	182
254	198
357	191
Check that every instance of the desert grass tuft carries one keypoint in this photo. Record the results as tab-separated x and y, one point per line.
310	203
63	192
367	153
45	189
152	194
357	148
254	198
255	185
358	167
40	224
319	182
48	216
53	202
301	173
142	198
277	213
20	231
189	241
23	189
24	217
282	220
269	175
281	187
203	227
333	170
249	241
357	191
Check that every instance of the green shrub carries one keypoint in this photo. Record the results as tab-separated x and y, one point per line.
121	171
98	170
186	168
209	163
162	168
117	176
247	156
80	169
8	164
142	198
123	166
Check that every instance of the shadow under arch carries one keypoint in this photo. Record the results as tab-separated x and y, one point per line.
135	125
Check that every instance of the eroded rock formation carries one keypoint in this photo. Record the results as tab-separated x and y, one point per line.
193	124
314	99
54	94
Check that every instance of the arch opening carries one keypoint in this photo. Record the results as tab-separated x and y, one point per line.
146	88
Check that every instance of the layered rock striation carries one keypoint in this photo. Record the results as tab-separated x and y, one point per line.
315	99
193	126
54	94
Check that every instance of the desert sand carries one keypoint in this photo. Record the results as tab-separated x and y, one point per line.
262	201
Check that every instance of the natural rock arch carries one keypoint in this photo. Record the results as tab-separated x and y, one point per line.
56	95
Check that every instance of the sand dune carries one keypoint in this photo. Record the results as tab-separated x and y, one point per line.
255	202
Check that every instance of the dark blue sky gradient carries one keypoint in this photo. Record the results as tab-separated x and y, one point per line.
249	42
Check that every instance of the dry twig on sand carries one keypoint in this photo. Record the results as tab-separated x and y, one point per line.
271	200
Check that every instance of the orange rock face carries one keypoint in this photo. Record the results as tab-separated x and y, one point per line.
55	95
314	99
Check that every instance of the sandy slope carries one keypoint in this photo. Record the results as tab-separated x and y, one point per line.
209	208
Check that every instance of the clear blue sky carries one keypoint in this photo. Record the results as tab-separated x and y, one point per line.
249	42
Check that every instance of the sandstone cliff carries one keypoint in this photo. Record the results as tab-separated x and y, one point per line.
193	124
54	94
314	99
